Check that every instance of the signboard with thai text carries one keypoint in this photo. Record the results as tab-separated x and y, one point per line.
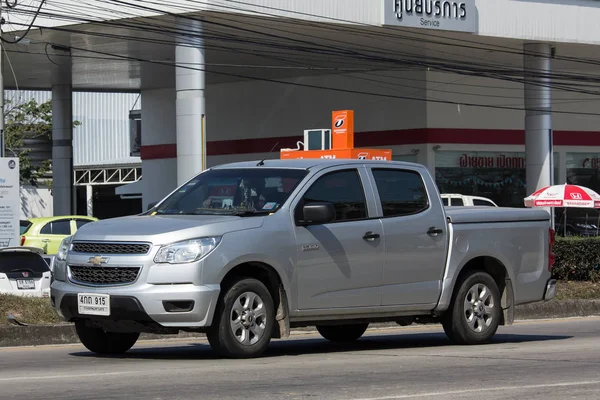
447	15
482	159
10	210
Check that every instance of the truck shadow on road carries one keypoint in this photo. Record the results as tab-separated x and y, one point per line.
298	346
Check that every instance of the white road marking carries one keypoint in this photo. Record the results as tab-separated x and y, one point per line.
67	376
492	389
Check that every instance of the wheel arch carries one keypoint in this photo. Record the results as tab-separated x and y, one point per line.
498	271
269	276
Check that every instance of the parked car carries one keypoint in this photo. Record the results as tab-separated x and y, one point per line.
24	272
47	232
247	250
452	200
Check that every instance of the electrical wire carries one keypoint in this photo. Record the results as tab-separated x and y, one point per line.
326	88
125	3
519	71
121	2
28	28
454	92
238	49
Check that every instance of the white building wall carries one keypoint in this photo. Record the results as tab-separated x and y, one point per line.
158	127
103	136
35	202
261	110
256	109
460	91
101	139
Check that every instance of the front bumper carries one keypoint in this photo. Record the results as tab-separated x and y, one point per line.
175	305
550	291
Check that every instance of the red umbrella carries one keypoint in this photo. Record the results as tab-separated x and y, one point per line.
564	196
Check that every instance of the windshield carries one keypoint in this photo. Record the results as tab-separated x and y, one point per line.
249	191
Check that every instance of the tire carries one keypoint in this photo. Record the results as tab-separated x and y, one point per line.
251	334
98	341
463	323
342	333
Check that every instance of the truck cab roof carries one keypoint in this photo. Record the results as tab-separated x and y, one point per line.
311	163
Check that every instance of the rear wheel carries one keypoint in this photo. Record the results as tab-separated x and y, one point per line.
474	313
244	320
342	333
101	342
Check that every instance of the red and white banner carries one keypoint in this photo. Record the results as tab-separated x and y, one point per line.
564	196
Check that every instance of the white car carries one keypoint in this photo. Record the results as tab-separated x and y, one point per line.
24	272
454	200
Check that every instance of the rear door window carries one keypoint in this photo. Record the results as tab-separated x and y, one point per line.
402	192
60	227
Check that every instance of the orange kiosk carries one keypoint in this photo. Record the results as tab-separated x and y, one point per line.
342	143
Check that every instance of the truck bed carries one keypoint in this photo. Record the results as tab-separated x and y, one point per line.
469	215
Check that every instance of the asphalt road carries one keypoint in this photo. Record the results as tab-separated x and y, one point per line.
557	359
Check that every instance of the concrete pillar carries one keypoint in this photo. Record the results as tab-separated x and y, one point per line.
538	117
62	139
189	86
89	200
158	153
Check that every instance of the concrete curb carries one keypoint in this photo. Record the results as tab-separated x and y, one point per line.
40	335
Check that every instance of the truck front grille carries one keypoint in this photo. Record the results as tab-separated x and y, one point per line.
110	248
105	276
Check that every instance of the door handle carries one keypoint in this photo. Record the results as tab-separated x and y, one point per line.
370	236
46	240
433	231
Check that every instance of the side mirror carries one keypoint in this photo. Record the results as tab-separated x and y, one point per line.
318	213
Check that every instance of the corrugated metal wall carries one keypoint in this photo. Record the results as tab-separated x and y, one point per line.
103	137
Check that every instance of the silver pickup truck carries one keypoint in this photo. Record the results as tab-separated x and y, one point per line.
246	251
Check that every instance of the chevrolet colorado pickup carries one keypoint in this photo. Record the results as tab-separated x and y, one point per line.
243	252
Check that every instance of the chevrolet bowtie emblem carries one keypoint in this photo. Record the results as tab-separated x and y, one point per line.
98	260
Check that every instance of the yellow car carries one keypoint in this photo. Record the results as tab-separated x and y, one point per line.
47	233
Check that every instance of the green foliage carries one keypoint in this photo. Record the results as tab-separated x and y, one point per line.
577	259
25	122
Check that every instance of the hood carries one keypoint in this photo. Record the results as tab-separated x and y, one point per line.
164	229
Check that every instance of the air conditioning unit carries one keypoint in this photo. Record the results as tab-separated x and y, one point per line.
317	139
135	132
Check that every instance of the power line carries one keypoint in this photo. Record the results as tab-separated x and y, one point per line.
28	28
325	88
490	73
392	60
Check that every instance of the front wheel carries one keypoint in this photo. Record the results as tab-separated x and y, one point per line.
474	313
244	320
342	333
101	342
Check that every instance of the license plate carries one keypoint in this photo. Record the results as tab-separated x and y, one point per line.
93	304
25	284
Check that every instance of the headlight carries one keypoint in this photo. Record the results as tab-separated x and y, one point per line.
187	251
63	249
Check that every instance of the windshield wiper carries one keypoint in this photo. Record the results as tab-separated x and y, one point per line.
249	213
